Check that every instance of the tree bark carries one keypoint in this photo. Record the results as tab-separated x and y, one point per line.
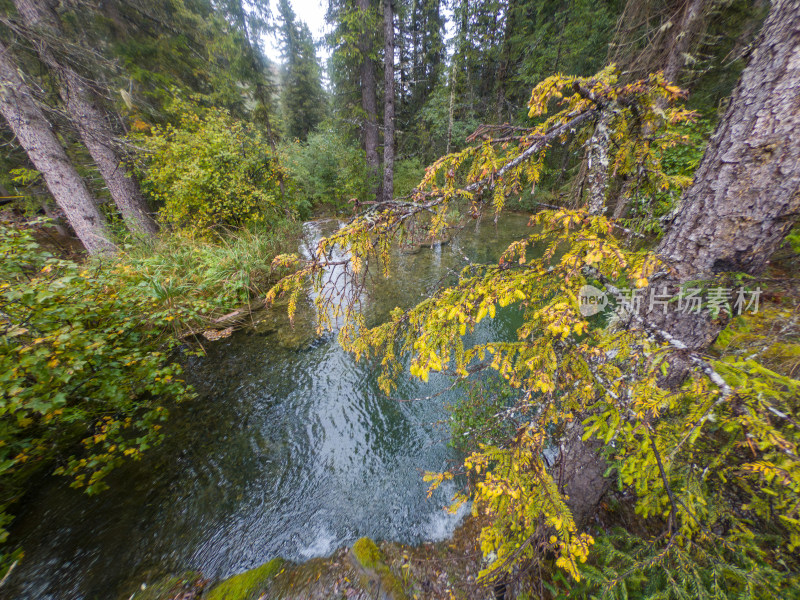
598	161
388	101
368	96
90	120
36	137
746	192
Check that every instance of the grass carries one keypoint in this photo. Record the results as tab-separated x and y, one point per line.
200	279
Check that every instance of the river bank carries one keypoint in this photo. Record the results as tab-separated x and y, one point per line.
366	570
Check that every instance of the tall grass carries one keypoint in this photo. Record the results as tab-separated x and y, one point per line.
201	279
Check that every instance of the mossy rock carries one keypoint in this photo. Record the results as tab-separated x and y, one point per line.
376	577
249	585
169	587
367	553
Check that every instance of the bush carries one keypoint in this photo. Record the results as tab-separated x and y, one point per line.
407	175
76	364
328	169
211	170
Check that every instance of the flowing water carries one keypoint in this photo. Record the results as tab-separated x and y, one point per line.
289	450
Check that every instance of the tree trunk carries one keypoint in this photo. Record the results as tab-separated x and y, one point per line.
450	105
46	153
683	38
368	97
388	101
262	93
746	192
598	161
90	120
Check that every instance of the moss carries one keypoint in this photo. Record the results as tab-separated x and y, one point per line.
168	587
376	572
367	553
248	585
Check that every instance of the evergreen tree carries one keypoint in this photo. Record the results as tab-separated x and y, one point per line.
302	95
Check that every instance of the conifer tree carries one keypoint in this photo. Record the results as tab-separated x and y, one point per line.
302	95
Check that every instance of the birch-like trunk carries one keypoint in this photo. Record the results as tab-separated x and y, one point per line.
598	161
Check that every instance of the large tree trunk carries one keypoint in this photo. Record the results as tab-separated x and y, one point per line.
388	101
746	193
90	120
46	153
368	98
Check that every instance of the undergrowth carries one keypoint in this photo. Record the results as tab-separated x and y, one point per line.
203	278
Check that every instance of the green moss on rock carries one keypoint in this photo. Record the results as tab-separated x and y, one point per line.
248	585
376	573
367	553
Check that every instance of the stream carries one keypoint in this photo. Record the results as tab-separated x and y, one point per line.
289	450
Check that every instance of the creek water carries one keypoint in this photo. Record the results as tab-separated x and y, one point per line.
290	449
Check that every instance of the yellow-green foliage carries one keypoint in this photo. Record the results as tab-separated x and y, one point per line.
248	585
716	465
210	171
84	369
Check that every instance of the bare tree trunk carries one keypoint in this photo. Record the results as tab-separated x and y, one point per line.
368	98
46	153
450	105
388	101
746	192
90	120
683	38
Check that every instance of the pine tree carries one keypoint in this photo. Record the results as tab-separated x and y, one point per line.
89	116
302	94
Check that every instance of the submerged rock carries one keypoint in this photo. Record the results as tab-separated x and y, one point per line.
188	586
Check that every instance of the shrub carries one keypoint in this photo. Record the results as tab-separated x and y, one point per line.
328	169
407	175
211	170
76	364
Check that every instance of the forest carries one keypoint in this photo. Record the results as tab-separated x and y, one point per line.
279	279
